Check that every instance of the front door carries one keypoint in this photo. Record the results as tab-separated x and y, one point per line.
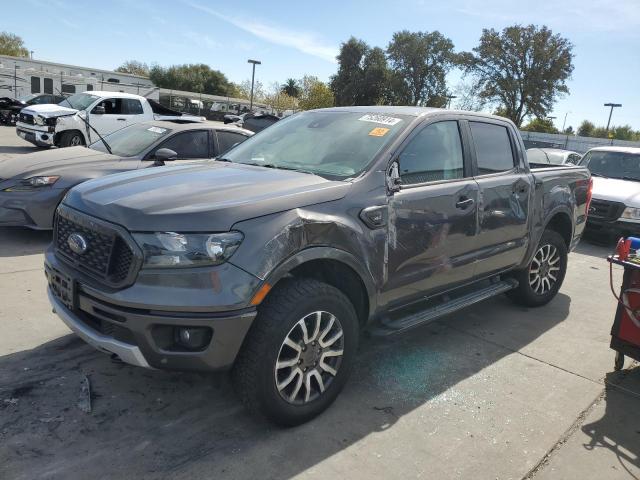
115	116
432	219
505	191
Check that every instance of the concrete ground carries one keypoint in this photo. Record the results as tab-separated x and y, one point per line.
494	392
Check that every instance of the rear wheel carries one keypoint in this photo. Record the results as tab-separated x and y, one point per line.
71	139
543	277
299	352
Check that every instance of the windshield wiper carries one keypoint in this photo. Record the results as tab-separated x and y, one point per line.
594	174
280	167
222	159
633	179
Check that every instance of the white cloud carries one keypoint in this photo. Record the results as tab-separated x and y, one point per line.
201	40
305	42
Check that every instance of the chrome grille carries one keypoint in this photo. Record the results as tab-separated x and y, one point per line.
605	210
26	118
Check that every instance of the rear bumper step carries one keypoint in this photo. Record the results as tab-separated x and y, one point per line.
388	326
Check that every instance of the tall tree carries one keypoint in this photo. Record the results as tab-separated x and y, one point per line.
542	125
291	88
315	94
135	67
191	78
361	76
523	69
422	60
11	44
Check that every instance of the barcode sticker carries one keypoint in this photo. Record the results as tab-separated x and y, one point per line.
382	119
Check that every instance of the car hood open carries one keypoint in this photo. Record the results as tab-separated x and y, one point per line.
205	197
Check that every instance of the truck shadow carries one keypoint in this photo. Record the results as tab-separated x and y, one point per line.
152	424
18	241
617	430
11	149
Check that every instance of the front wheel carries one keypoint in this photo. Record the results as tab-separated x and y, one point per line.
71	139
299	352
543	277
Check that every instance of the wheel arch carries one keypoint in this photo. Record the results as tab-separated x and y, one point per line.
335	267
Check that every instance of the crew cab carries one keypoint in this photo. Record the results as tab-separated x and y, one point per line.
82	118
272	259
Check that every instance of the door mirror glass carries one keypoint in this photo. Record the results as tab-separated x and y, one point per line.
99	110
165	154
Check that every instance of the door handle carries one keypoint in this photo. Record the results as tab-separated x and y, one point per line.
464	202
122	119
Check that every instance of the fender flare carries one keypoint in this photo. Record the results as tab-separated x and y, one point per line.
326	253
563	209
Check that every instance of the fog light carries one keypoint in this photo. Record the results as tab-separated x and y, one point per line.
44	136
192	338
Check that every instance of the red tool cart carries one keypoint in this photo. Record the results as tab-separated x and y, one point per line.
625	333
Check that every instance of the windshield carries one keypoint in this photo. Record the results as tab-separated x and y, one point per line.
622	165
79	101
133	140
336	145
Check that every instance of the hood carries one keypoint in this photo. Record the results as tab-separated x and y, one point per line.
209	197
616	190
49	110
54	162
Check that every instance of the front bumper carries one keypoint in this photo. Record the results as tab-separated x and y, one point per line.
614	227
142	336
32	209
40	138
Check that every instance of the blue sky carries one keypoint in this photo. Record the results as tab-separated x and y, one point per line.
297	38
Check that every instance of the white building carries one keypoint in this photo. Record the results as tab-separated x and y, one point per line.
20	77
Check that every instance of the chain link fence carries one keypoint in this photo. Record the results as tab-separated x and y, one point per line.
570	142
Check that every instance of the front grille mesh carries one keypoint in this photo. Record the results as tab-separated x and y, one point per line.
26	118
108	257
605	210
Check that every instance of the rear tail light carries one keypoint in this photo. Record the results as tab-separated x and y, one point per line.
589	193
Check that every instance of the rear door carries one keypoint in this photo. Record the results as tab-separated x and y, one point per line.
504	195
432	219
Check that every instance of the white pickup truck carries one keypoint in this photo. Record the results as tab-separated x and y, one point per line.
81	117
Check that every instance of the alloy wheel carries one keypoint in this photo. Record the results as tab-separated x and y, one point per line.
309	358
544	268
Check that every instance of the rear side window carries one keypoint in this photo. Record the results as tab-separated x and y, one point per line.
226	140
193	144
132	106
493	148
434	154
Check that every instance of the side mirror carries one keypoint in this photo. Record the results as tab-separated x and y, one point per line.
394	181
165	154
99	110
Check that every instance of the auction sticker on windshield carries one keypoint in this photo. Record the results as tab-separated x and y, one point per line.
378	132
383	119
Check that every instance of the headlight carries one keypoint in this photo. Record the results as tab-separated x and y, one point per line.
631	213
39	120
170	249
34	182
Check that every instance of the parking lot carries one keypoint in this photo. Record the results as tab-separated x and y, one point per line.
495	391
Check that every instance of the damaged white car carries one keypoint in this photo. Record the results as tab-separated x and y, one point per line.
82	118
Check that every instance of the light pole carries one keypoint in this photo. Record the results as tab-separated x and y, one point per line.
253	76
15	79
450	97
612	105
565	120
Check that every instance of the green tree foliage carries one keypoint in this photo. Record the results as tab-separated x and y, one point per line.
190	78
523	69
315	94
243	90
11	44
421	60
586	129
542	125
134	67
362	74
568	130
291	88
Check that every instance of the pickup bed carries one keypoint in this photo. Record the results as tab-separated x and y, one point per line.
82	118
272	260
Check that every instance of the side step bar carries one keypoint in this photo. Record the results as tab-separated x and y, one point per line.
389	326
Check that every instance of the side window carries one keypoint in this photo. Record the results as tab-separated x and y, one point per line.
493	148
193	144
112	106
435	153
226	140
573	158
35	84
132	106
48	85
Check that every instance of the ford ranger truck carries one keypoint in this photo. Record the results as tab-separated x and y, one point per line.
273	259
83	118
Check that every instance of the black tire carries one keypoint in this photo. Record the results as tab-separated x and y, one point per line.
526	294
255	374
71	139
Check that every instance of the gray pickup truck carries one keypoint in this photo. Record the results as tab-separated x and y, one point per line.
272	260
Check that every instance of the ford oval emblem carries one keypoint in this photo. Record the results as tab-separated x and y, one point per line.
77	243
